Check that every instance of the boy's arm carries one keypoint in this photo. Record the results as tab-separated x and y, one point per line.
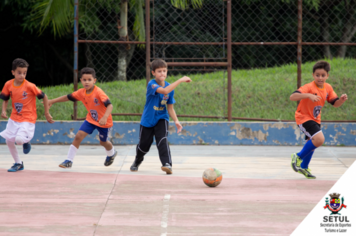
172	86
340	101
172	113
59	99
3	111
299	96
108	111
46	108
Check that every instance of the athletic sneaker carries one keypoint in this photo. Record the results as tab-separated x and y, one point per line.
306	173
135	165
66	164
167	168
16	167
26	147
296	161
110	160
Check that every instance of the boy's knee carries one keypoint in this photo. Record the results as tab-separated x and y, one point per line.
318	141
161	141
19	140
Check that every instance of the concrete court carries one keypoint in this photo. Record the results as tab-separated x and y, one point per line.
259	194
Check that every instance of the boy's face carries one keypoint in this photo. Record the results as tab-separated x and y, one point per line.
160	74
88	81
320	76
19	74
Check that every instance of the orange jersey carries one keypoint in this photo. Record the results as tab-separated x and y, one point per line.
308	110
23	100
95	103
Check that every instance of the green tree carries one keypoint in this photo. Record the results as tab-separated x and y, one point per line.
58	15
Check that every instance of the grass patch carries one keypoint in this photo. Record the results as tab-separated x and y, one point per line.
256	93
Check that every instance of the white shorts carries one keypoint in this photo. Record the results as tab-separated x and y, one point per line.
25	130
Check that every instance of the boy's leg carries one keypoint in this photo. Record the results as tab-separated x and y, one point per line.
144	145
24	136
104	141
161	135
18	163
85	129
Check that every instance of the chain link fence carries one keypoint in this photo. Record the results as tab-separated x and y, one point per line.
193	40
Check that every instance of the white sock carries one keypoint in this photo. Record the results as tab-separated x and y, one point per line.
13	151
111	152
71	152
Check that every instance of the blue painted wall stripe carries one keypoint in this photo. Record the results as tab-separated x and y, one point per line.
194	133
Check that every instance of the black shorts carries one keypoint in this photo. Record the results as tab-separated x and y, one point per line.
310	128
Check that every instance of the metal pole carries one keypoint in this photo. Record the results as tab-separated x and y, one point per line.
148	42
229	62
299	47
75	80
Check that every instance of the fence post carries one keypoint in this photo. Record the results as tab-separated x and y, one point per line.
299	44
75	79
148	41
229	62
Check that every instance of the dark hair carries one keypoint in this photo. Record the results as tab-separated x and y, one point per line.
18	62
87	70
158	63
321	65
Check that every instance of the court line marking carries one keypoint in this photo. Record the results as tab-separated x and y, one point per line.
164	220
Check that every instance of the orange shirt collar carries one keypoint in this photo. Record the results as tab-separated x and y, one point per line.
91	91
13	83
318	87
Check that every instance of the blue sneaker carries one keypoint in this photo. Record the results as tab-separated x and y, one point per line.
110	160
66	164
16	167
26	147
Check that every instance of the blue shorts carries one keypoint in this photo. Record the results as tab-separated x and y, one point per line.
89	128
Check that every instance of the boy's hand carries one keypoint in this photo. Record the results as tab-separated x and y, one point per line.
185	79
49	103
314	98
3	115
343	97
179	127
49	118
103	120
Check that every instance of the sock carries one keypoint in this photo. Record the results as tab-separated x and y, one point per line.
308	147
110	152
306	160
13	151
71	153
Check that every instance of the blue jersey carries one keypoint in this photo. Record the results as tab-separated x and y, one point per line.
156	105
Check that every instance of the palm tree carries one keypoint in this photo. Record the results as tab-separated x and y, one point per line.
58	15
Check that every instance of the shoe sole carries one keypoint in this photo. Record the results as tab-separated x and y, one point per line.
133	170
167	170
294	159
111	160
306	176
15	170
64	167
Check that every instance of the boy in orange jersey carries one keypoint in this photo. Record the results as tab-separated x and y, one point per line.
99	116
21	125
312	97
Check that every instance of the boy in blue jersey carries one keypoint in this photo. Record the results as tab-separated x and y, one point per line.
155	117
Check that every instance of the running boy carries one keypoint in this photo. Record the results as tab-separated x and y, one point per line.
20	127
312	97
99	116
155	117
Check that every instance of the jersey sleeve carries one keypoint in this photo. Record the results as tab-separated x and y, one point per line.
38	92
332	96
171	98
304	89
5	93
75	96
151	88
104	99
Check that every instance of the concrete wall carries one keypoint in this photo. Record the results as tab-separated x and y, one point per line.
195	133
